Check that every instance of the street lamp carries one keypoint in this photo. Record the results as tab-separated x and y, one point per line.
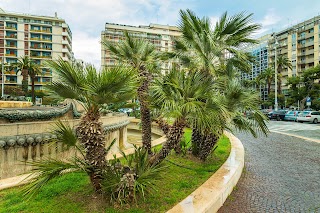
2	75
275	75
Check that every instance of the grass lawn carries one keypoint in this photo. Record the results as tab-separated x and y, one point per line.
73	192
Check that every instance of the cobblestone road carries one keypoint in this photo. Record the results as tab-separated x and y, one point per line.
281	174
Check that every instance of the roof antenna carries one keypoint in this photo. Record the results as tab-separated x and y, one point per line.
56	14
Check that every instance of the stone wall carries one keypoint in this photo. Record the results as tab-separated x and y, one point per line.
29	141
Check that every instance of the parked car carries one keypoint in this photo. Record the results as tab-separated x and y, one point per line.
309	116
277	115
291	115
266	111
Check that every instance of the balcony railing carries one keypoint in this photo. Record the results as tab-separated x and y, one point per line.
11	45
40	31
41	56
11	27
11	55
11	37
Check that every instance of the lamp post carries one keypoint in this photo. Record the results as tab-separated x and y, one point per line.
2	75
275	75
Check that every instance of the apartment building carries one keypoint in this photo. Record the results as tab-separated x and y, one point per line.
162	36
300	44
260	52
39	37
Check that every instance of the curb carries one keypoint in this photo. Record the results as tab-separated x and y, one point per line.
211	195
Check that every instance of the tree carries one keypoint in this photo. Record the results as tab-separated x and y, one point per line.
93	89
214	50
142	56
33	71
282	63
23	65
268	76
184	97
206	46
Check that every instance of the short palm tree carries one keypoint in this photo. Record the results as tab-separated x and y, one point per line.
92	88
184	97
282	64
142	56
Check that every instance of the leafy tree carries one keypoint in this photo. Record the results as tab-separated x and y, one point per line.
142	56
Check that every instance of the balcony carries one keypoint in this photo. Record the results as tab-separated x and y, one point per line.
10	82
35	39
11	37
11	55
11	28
11	45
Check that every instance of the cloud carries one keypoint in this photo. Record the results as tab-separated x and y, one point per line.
87	48
270	20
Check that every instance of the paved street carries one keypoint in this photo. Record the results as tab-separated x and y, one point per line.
308	130
281	174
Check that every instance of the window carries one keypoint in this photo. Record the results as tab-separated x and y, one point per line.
47	22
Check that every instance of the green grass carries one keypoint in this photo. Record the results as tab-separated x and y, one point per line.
73	192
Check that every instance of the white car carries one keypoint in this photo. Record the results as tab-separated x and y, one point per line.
309	116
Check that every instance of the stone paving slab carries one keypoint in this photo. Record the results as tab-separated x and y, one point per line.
281	174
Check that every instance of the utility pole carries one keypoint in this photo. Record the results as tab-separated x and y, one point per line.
275	75
2	75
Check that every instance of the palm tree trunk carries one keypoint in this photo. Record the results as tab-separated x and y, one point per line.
174	136
90	133
24	73
144	109
163	125
207	146
196	140
32	90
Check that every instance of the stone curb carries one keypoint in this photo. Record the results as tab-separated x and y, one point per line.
211	195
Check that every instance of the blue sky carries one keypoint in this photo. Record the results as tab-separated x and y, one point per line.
86	18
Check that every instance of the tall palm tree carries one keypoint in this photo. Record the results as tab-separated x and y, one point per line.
92	88
282	64
142	56
33	71
268	76
206	46
23	65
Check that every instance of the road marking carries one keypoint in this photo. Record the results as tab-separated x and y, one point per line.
297	136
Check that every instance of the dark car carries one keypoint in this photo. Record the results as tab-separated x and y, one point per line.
277	115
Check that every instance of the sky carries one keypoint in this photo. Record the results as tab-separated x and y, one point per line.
87	18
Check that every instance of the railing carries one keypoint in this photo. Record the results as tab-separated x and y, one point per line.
7	45
11	55
40	31
11	28
12	37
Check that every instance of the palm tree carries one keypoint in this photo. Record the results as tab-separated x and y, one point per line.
268	76
23	65
184	96
141	55
208	48
205	47
33	71
93	89
282	63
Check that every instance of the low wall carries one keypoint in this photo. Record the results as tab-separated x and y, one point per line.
211	195
128	149
28	141
15	104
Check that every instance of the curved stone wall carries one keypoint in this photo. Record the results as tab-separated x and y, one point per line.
27	141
